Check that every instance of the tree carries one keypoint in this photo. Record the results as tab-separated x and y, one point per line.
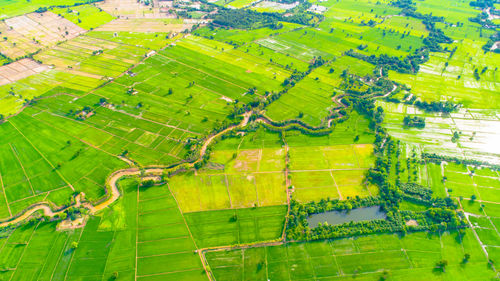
147	183
233	218
466	258
473	198
114	276
63	216
74	245
441	265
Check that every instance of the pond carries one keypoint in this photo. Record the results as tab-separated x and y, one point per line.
340	217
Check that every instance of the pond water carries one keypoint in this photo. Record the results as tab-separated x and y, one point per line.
340	217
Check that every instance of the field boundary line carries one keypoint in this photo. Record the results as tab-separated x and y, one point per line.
137	232
79	139
165	254
5	195
216	77
355	155
157	210
169	272
228	193
22	167
45	158
72	257
163	239
330	170
24	250
39	194
336	185
156	226
6	242
191	235
156	122
107	257
59	257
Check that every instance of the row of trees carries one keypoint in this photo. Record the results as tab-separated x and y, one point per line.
45	9
393	63
437	159
249	19
437	106
4	59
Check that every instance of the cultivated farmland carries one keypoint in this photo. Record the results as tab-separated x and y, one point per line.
249	140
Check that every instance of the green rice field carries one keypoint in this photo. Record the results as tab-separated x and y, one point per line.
159	140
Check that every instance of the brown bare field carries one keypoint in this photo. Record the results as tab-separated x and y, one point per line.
147	25
19	70
28	33
131	9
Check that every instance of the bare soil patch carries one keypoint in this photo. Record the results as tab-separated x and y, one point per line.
146	25
20	69
28	33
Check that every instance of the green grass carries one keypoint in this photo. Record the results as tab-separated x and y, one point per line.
37	160
18	7
238	226
229	35
189	88
150	40
309	100
85	16
363	257
36	252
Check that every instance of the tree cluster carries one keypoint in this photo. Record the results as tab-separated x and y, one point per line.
393	63
249	19
436	35
493	39
415	121
437	159
437	106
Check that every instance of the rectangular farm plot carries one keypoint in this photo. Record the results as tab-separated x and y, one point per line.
242	190
316	185
85	16
332	157
312	179
164	245
250	160
92	56
330	171
19	70
246	178
146	139
315	193
487	181
271	160
309	99
342	258
271	188
246	161
226	227
224	191
195	193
